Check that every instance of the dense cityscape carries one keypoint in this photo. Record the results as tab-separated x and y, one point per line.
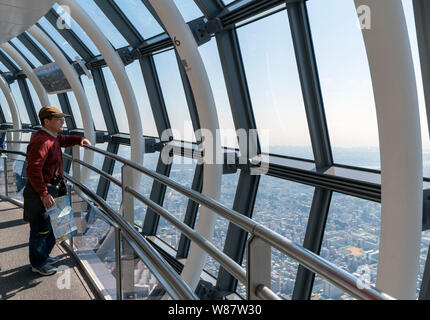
351	238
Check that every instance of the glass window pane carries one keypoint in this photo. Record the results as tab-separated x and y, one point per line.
5	107
210	56
53	99
3	67
59	40
410	21
188	9
228	192
274	85
94	102
75	110
94	177
174	96
117	102
78	30
34	97
115	193
150	161
345	81
137	82
25	52
20	103
351	241
114	36
40	46
174	202
283	206
140	17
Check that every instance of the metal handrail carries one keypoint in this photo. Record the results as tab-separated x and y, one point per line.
310	260
171	281
307	258
17	130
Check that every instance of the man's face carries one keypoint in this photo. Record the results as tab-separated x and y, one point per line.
54	124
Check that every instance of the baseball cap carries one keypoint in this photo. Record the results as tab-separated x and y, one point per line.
50	111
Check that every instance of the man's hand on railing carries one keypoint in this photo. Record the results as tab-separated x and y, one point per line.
85	141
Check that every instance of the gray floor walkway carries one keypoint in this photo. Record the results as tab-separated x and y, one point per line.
18	282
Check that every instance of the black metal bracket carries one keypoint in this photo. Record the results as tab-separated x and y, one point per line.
203	29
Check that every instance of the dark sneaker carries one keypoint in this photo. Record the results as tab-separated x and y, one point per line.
46	270
52	260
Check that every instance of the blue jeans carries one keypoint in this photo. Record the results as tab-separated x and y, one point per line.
41	243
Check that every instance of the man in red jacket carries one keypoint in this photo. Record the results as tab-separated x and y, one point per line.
45	182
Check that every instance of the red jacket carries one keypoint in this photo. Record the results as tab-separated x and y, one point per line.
43	155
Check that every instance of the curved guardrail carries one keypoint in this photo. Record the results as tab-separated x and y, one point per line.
262	239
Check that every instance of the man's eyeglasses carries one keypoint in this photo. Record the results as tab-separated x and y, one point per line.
62	119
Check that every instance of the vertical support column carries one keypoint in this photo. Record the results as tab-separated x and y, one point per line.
187	49
127	199
108	166
6	182
76	154
162	122
243	117
127	212
118	272
235	241
313	240
258	266
311	88
191	213
389	54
